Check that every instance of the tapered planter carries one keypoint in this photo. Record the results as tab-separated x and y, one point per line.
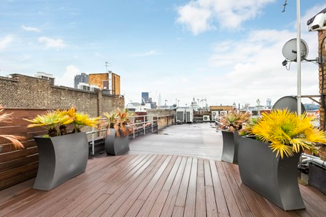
116	145
274	178
60	159
317	177
230	146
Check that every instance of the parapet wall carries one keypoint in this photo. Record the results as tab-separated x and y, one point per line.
22	91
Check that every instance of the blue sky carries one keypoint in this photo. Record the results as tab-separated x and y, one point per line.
224	51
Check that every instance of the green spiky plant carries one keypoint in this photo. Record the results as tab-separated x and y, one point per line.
6	118
288	133
247	127
120	121
111	118
234	120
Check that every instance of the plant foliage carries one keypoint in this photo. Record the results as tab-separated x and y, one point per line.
247	127
288	132
234	120
120	121
56	121
6	118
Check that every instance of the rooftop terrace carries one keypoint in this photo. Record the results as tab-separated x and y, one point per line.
176	172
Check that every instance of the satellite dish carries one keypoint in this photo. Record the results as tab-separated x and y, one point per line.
289	50
288	102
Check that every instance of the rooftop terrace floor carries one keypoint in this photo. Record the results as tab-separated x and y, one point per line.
196	140
152	185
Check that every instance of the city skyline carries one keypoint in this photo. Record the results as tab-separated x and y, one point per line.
225	52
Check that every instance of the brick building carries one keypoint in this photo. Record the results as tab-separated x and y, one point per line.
106	81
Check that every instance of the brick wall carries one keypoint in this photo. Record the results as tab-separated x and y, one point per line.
166	117
321	35
35	93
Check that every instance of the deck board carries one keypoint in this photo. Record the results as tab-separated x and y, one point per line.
152	185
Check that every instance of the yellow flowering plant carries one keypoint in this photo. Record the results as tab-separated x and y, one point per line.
288	133
56	121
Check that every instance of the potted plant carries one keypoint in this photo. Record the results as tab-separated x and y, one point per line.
6	118
274	175
231	123
62	154
117	136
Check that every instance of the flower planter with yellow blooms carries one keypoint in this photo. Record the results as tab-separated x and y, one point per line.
274	175
62	155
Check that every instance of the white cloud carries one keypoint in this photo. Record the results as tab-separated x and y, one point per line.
255	68
149	53
201	15
30	29
4	42
68	78
52	43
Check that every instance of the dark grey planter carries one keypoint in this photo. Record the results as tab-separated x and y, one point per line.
317	177
60	159
274	178
230	147
116	145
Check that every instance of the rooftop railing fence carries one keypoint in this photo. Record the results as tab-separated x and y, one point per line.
144	122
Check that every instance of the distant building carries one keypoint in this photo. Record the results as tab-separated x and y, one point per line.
144	98
46	76
137	107
153	104
269	103
159	100
311	107
194	105
84	86
106	81
82	78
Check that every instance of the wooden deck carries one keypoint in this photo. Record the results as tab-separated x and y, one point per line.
151	185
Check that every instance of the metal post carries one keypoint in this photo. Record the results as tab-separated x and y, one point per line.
93	141
133	129
144	127
152	123
298	58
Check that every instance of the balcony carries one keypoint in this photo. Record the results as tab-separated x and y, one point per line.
176	172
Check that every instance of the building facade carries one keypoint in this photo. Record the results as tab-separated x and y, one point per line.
106	81
82	78
144	97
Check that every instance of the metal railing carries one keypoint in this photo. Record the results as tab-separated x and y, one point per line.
138	122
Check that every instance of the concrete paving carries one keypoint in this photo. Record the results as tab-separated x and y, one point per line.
195	140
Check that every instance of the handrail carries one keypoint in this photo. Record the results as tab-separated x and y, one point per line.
143	123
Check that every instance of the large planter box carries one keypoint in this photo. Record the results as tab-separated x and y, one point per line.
116	145
60	159
274	178
230	147
317	177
